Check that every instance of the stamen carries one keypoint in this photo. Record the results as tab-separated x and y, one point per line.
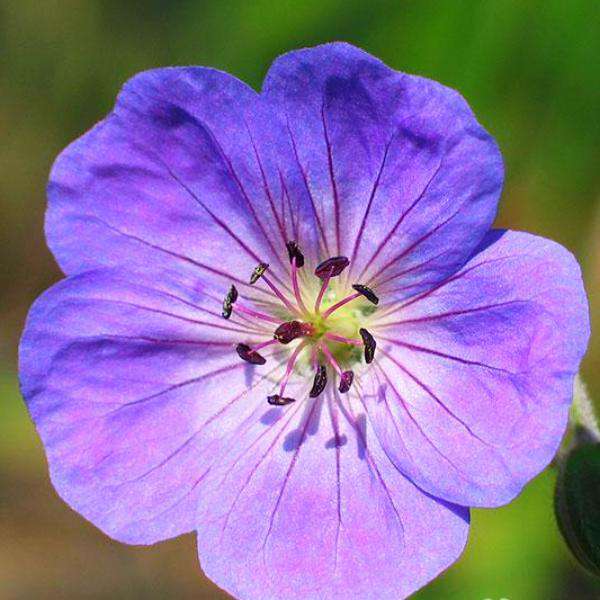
322	291
346	379
327	352
295	285
331	267
340	338
370	345
249	355
230	298
361	290
291	330
295	253
258	272
263	345
367	292
341	303
319	382
279	399
232	295
254	313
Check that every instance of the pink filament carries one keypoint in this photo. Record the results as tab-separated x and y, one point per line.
262	345
344	340
322	291
296	286
327	352
290	366
341	303
253	313
276	291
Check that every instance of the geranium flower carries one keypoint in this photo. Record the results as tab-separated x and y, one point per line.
287	325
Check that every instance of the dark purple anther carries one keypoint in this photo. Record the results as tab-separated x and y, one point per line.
291	330
367	292
230	298
277	400
250	356
320	382
294	252
331	267
258	272
370	345
232	295
346	379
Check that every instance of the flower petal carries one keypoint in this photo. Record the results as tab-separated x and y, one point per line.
188	171
131	390
404	180
474	379
312	508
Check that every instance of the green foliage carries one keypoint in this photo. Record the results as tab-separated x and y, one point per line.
577	504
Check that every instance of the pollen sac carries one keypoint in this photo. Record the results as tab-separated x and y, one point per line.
258	272
294	253
291	330
331	267
320	382
277	400
232	295
367	292
250	356
230	298
346	379
370	345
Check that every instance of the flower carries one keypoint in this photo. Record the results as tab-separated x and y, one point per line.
288	326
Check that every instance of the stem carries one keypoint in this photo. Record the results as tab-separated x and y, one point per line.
583	410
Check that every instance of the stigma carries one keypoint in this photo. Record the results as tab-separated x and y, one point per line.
329	341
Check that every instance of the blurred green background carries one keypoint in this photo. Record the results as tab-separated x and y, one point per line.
530	69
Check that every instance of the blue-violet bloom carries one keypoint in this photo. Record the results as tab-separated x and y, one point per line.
287	325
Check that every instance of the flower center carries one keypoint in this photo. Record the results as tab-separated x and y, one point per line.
328	333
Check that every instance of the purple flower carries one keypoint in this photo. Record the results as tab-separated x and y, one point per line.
394	361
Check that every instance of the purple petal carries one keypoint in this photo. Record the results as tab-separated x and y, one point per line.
404	180
473	380
189	172
304	509
132	390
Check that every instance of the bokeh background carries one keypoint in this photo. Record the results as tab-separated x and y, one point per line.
530	69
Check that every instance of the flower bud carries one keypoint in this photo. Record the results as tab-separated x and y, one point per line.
577	504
